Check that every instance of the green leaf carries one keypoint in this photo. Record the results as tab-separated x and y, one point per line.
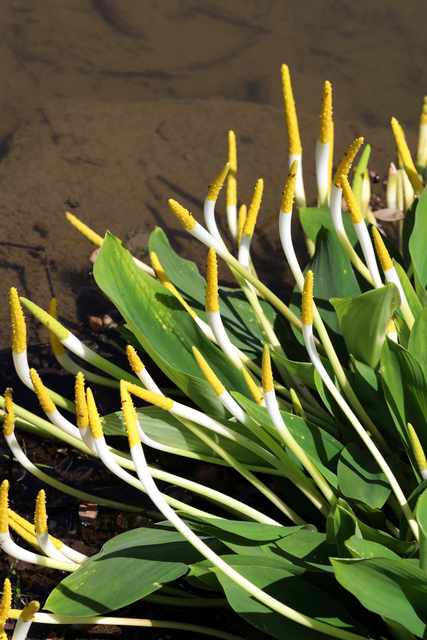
418	341
163	327
164	428
128	567
359	174
293	591
305	548
418	240
360	548
314	218
421	515
360	477
408	290
405	389
364	321
388	587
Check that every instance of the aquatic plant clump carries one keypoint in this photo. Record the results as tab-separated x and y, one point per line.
319	406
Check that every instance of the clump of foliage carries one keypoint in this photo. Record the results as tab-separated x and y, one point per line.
323	414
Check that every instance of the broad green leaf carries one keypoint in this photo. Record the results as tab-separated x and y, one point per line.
408	290
405	389
128	567
359	174
162	427
360	477
163	327
368	386
364	321
408	226
304	548
249	530
341	525
388	587
421	515
314	218
418	341
418	240
293	591
360	548
303	370
333	274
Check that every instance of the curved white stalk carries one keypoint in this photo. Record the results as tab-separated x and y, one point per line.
368	252
322	172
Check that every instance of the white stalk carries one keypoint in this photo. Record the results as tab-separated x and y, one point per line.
322	172
48	548
300	199
368	252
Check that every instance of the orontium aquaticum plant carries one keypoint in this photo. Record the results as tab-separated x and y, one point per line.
333	443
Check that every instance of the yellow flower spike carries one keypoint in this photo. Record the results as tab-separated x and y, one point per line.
422	140
19	330
216	185
289	190
4	504
93	237
211	297
129	414
135	361
346	162
252	215
210	376
9	414
149	396
5	602
30	610
419	454
183	215
294	141
383	254
241	223
94	419
325	124
307	300
352	206
82	417
231	178
46	403
40	518
297	404
57	346
160	273
267	373
24	524
408	163
46	319
24	533
255	392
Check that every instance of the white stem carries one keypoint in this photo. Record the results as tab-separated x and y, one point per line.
14	550
69	365
48	548
300	199
368	252
209	214
322	172
232	220
215	323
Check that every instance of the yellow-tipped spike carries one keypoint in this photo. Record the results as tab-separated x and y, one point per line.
294	141
57	347
82	417
289	191
46	319
352	205
24	524
423	116
160	273
252	215
150	396
135	361
267	373
241	222
40	518
9	414
383	254
129	415
297	404
419	455
45	402
210	376
407	161
325	124
307	300
231	178
93	237
4	503
94	419
19	330
216	185
183	215
346	162
24	534
29	611
255	392
5	602
212	282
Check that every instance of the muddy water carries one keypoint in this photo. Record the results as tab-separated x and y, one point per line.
81	126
